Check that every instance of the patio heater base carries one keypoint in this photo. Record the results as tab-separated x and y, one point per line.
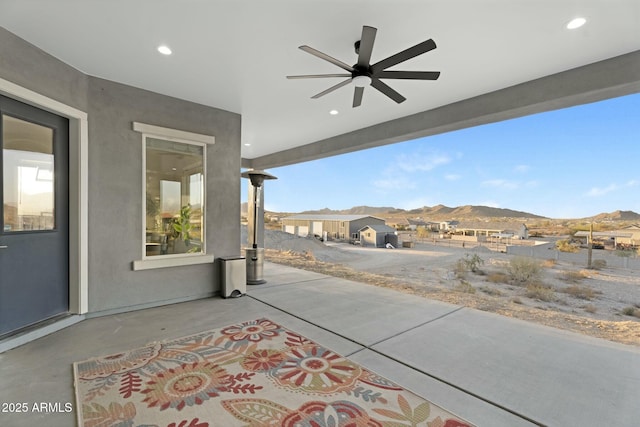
255	266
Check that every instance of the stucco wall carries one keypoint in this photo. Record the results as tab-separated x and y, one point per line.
115	177
25	65
116	194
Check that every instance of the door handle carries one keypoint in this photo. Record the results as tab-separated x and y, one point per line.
3	247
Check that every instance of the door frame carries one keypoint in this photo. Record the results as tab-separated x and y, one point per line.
78	188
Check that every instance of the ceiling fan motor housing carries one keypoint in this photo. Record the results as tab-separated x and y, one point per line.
363	73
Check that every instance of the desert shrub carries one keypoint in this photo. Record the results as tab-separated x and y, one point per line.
491	291
498	277
566	246
599	264
631	311
423	232
540	292
590	308
581	292
573	276
465	287
524	270
468	263
473	262
548	263
460	269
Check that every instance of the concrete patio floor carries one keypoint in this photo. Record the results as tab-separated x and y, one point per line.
488	369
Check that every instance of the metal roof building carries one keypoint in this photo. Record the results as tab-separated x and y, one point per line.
619	237
336	227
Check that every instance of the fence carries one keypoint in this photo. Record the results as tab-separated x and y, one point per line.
549	251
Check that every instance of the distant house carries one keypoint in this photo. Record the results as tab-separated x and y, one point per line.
378	235
481	231
337	227
523	232
432	226
448	225
628	236
634	239
414	224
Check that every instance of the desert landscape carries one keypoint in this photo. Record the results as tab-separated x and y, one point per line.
602	302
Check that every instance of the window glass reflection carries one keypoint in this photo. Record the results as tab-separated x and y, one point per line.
174	195
28	176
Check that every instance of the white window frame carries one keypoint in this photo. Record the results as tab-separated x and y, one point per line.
174	135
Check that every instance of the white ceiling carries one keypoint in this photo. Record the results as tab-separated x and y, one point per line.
234	55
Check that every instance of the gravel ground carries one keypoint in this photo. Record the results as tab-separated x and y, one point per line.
567	296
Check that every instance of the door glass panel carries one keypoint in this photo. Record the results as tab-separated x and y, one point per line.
28	176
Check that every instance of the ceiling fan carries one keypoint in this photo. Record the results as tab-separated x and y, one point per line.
363	73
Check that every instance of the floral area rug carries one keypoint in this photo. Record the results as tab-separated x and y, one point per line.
252	374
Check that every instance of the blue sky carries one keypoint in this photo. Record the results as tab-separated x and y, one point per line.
569	163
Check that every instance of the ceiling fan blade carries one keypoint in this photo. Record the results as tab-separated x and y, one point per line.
357	96
411	75
318	76
366	46
326	57
405	55
331	89
384	88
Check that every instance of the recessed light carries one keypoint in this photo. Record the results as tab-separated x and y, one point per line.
333	112
247	145
576	23
164	49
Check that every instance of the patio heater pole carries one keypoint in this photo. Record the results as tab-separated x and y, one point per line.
256	204
255	255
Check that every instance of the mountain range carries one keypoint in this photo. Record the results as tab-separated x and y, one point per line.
464	212
442	212
617	216
434	212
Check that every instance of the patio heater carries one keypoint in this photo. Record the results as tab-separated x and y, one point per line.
255	255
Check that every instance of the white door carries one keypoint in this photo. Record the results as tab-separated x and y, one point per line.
317	228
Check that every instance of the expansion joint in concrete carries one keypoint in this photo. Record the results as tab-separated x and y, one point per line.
414	368
286	284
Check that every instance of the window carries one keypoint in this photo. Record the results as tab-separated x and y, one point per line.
28	176
174	197
174	165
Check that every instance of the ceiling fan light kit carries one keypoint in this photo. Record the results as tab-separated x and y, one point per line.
363	73
361	81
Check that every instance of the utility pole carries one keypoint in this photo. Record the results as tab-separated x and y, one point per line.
590	246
